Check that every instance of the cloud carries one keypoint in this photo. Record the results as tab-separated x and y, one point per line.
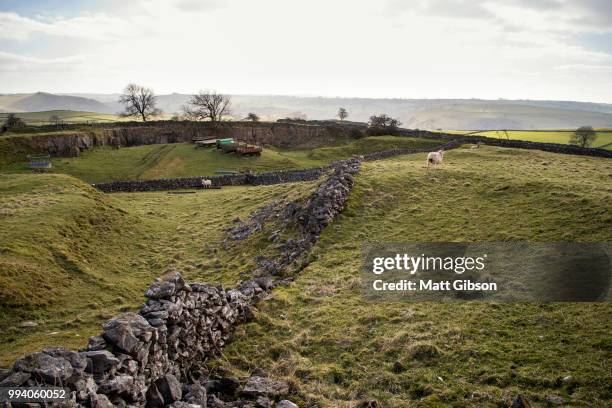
20	63
97	26
453	48
536	15
199	5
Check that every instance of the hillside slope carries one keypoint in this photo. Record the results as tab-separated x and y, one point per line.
488	116
339	350
42	101
104	164
72	257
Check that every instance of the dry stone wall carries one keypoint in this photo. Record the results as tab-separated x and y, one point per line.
274	177
518	144
156	357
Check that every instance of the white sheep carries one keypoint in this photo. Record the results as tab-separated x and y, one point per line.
206	183
435	157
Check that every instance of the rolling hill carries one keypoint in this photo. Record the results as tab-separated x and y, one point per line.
429	114
42	101
466	114
507	116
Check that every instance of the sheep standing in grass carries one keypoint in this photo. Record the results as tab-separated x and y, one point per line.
435	157
206	183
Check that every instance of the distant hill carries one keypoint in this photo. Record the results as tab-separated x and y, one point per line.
490	116
467	114
42	101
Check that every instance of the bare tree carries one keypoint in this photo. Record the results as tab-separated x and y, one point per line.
342	113
208	105
252	117
139	101
584	136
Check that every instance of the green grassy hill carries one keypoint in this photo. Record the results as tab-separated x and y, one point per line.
604	136
68	116
183	159
72	257
338	349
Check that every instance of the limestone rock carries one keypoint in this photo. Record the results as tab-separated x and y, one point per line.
121	384
51	370
127	332
100	363
15	379
262	386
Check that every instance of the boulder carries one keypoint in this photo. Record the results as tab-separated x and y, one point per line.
286	404
96	343
161	290
15	379
128	332
77	360
165	289
100	363
263	402
51	370
195	394
261	386
121	384
102	401
169	387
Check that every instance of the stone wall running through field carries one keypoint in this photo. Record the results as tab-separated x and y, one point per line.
518	144
274	177
156	357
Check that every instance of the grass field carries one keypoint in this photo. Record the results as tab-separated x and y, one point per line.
72	257
183	159
337	349
67	116
604	136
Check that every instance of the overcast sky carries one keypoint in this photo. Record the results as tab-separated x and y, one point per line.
521	49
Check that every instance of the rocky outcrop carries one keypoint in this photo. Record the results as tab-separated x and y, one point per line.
265	133
157	356
66	144
71	140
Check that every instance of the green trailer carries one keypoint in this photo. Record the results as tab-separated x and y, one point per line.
221	142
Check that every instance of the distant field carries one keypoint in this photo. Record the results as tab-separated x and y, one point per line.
183	159
604	136
68	116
